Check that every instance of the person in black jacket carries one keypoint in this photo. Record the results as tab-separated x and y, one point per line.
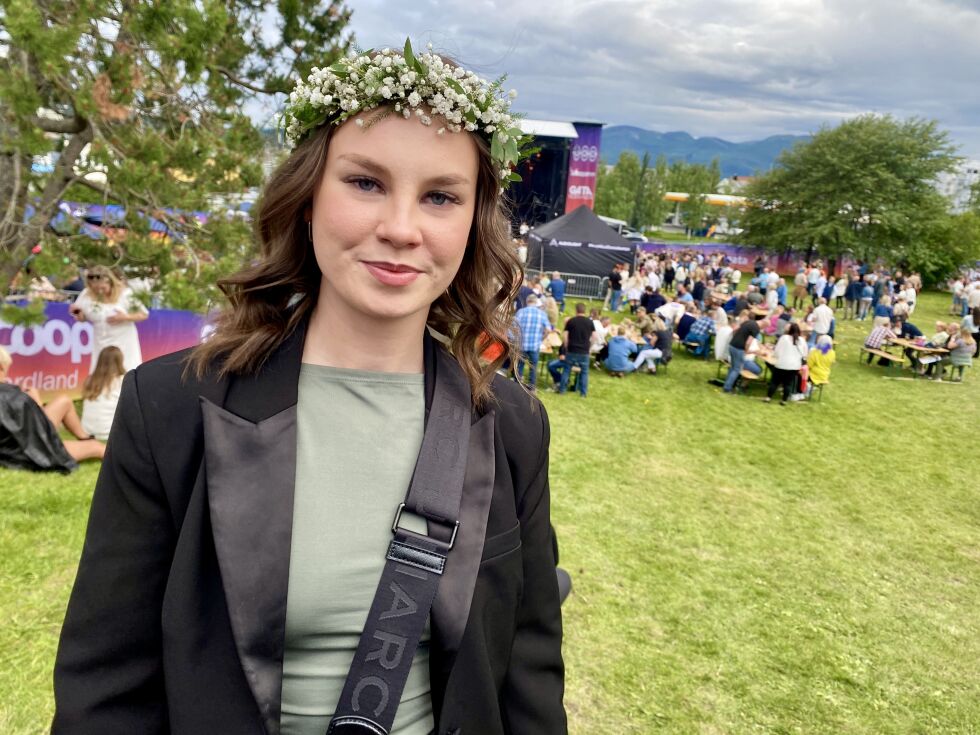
245	504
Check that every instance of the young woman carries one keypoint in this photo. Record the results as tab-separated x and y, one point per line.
231	579
100	393
113	313
790	353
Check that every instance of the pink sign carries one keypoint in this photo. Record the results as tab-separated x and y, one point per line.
583	163
54	357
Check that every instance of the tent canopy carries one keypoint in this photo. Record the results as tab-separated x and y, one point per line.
578	242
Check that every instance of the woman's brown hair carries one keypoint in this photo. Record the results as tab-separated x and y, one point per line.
107	369
272	296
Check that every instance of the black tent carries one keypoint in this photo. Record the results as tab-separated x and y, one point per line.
578	242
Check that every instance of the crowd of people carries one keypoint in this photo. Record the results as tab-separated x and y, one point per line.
691	298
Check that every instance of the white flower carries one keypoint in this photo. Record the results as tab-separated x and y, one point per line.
489	129
440	131
386	93
414	99
359	122
512	94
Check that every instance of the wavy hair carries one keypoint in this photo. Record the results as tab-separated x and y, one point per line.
274	294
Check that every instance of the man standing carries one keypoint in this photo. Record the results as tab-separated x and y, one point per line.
615	288
823	320
533	325
557	288
578	342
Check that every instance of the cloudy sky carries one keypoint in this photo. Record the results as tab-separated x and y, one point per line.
736	69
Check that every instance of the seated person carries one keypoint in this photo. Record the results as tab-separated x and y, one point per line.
939	339
754	296
644	322
651	300
820	359
907	330
29	432
700	332
648	354
684	324
878	336
100	393
620	348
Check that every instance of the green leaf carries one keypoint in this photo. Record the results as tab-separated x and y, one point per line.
496	148
456	86
407	53
514	176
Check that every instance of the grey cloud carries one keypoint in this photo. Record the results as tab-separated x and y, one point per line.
735	69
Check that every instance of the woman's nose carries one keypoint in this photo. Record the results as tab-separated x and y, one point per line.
399	224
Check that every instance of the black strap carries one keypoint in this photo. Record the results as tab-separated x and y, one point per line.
414	565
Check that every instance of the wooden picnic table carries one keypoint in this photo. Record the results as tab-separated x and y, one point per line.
916	347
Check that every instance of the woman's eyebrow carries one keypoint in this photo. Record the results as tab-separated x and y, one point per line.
380	170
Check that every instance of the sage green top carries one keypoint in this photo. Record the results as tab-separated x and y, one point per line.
358	436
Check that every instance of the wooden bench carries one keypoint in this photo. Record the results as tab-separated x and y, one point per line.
817	388
898	360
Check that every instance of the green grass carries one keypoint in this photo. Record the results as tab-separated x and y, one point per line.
739	567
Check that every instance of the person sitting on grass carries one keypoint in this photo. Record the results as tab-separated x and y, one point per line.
789	353
620	349
29	430
820	359
100	393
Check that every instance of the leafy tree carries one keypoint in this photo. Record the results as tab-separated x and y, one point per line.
864	188
143	105
633	190
698	181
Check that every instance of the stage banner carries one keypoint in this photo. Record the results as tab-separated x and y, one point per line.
583	164
55	357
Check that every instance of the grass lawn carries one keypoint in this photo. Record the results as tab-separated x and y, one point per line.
739	567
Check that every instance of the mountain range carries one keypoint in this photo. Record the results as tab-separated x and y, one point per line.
736	159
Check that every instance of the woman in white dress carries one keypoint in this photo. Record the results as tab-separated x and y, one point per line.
113	312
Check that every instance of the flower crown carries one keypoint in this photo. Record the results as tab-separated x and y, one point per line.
422	85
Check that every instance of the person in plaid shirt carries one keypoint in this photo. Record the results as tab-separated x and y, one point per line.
533	325
701	332
876	339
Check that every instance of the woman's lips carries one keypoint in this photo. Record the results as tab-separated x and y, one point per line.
391	274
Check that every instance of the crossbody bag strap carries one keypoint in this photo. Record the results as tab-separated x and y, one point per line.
414	563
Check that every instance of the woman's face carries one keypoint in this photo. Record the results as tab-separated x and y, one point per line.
98	284
391	216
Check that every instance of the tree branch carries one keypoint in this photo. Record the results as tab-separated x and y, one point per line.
243	83
67	126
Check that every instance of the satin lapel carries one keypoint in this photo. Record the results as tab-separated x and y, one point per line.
251	469
250	465
451	608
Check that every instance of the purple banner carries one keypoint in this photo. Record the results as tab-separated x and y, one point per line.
54	357
583	163
739	257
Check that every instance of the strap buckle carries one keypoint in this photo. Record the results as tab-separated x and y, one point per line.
398	516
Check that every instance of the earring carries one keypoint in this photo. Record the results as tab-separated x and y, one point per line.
309	229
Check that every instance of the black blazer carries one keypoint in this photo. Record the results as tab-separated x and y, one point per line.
177	617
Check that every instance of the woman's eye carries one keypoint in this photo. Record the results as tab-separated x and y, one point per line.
366	185
439	198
